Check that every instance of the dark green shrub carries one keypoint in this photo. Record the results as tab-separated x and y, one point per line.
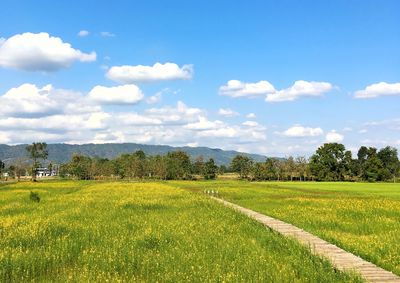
34	197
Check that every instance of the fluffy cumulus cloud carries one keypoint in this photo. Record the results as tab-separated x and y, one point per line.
379	89
124	94
159	95
154	98
39	52
204	124
250	124
182	125
83	33
45	113
226	112
300	89
300	131
334	136
181	114
29	100
33	113
251	116
157	72
235	88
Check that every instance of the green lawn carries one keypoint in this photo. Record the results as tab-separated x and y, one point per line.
362	218
153	231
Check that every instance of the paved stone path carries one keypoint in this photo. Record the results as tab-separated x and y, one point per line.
341	259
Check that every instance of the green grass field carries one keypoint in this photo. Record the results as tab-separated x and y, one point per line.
115	231
362	218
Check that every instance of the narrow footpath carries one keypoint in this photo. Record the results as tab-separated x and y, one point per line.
340	259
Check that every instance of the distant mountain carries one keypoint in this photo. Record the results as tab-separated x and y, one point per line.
61	153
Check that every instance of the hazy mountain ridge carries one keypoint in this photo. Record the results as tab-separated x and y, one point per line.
61	153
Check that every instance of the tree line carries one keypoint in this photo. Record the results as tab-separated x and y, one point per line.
330	162
175	165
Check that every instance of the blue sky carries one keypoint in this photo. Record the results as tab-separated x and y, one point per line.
344	56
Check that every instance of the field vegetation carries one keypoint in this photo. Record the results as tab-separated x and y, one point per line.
362	218
134	231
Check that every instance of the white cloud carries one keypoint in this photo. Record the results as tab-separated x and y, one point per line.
226	112
4	138
203	124
229	134
379	89
235	88
250	124
154	98
39	52
181	114
158	96
134	119
124	94
334	137
157	72
107	34
251	116
300	131
226	132
28	100
300	89
34	136
34	113
390	124
57	124
192	144
83	33
108	137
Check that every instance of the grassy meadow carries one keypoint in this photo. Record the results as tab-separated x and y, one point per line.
151	231
362	218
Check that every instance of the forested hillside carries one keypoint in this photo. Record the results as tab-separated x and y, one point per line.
62	153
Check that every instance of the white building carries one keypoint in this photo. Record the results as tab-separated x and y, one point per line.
45	172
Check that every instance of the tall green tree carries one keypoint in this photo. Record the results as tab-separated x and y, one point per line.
291	167
37	151
198	165
390	163
259	171
210	170
329	162
178	165
370	165
81	167
140	164
301	167
158	167
242	165
271	168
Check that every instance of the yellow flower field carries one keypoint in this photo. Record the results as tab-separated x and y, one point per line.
362	218
153	232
